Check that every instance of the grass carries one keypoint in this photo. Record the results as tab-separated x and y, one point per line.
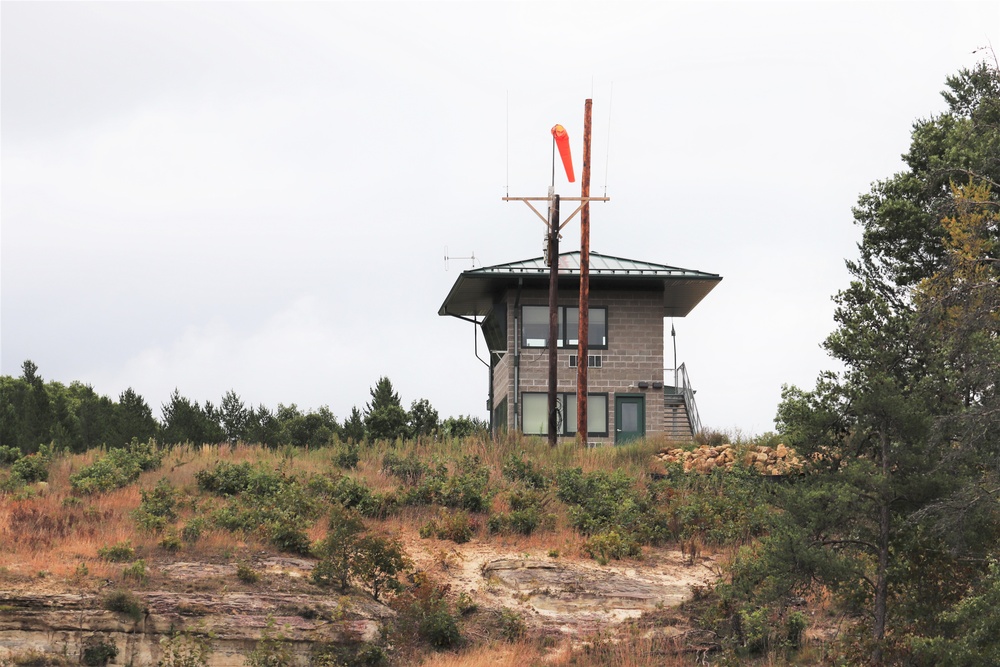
63	533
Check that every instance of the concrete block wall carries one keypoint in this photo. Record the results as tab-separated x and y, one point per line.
634	354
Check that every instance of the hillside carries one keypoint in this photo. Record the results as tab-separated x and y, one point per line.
452	552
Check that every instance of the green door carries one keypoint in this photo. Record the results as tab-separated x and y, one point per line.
630	418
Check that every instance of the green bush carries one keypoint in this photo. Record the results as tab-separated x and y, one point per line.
118	468
356	495
191	532
517	469
184	650
338	550
438	626
376	563
271	650
409	470
226	479
612	544
352	655
795	628
171	542
346	456
754	629
456	526
156	509
136	572
9	455
123	552
246	573
123	601
98	652
512	625
32	468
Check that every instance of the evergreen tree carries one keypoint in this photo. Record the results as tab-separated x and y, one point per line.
898	520
34	410
385	418
185	421
354	426
133	419
234	417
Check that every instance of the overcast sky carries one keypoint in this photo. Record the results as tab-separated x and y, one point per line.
215	196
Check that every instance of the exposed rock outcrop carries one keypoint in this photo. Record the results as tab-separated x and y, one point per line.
780	460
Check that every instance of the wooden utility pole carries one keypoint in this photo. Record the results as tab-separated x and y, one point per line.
583	335
553	227
553	250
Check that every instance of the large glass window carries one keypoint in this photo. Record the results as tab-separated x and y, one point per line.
535	408
534	414
535	328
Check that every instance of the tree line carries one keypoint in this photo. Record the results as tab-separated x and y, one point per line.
35	412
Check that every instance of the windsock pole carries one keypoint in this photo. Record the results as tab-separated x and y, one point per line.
553	249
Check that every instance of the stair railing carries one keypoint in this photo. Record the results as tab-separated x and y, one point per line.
682	385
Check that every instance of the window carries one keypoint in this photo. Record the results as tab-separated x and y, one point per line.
593	361
535	327
535	409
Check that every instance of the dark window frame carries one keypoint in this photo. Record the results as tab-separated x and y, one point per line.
563	342
561	399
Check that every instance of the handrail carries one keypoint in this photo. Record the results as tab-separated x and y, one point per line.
682	385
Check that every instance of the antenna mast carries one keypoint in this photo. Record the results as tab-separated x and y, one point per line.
583	334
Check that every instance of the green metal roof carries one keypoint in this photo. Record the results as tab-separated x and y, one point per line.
476	290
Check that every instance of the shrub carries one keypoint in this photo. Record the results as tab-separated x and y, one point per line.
512	625
376	563
795	627
438	626
246	573
136	571
338	550
346	456
352	655
519	470
123	601
9	455
468	489
226	479
271	650
754	629
612	545
287	534
184	650
455	526
122	552
191	532
32	468
356	495
119	467
98	652
157	507
171	542
409	470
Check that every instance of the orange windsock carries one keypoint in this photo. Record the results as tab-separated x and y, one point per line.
562	142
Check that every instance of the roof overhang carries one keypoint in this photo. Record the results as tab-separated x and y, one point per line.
477	290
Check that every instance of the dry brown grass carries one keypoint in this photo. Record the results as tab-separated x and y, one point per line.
628	652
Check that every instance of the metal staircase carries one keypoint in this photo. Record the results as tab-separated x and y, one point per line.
680	413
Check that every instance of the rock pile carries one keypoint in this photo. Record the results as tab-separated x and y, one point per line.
780	460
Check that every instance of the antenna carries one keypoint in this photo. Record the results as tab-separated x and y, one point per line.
447	258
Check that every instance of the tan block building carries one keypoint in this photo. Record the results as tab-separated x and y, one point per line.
630	392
